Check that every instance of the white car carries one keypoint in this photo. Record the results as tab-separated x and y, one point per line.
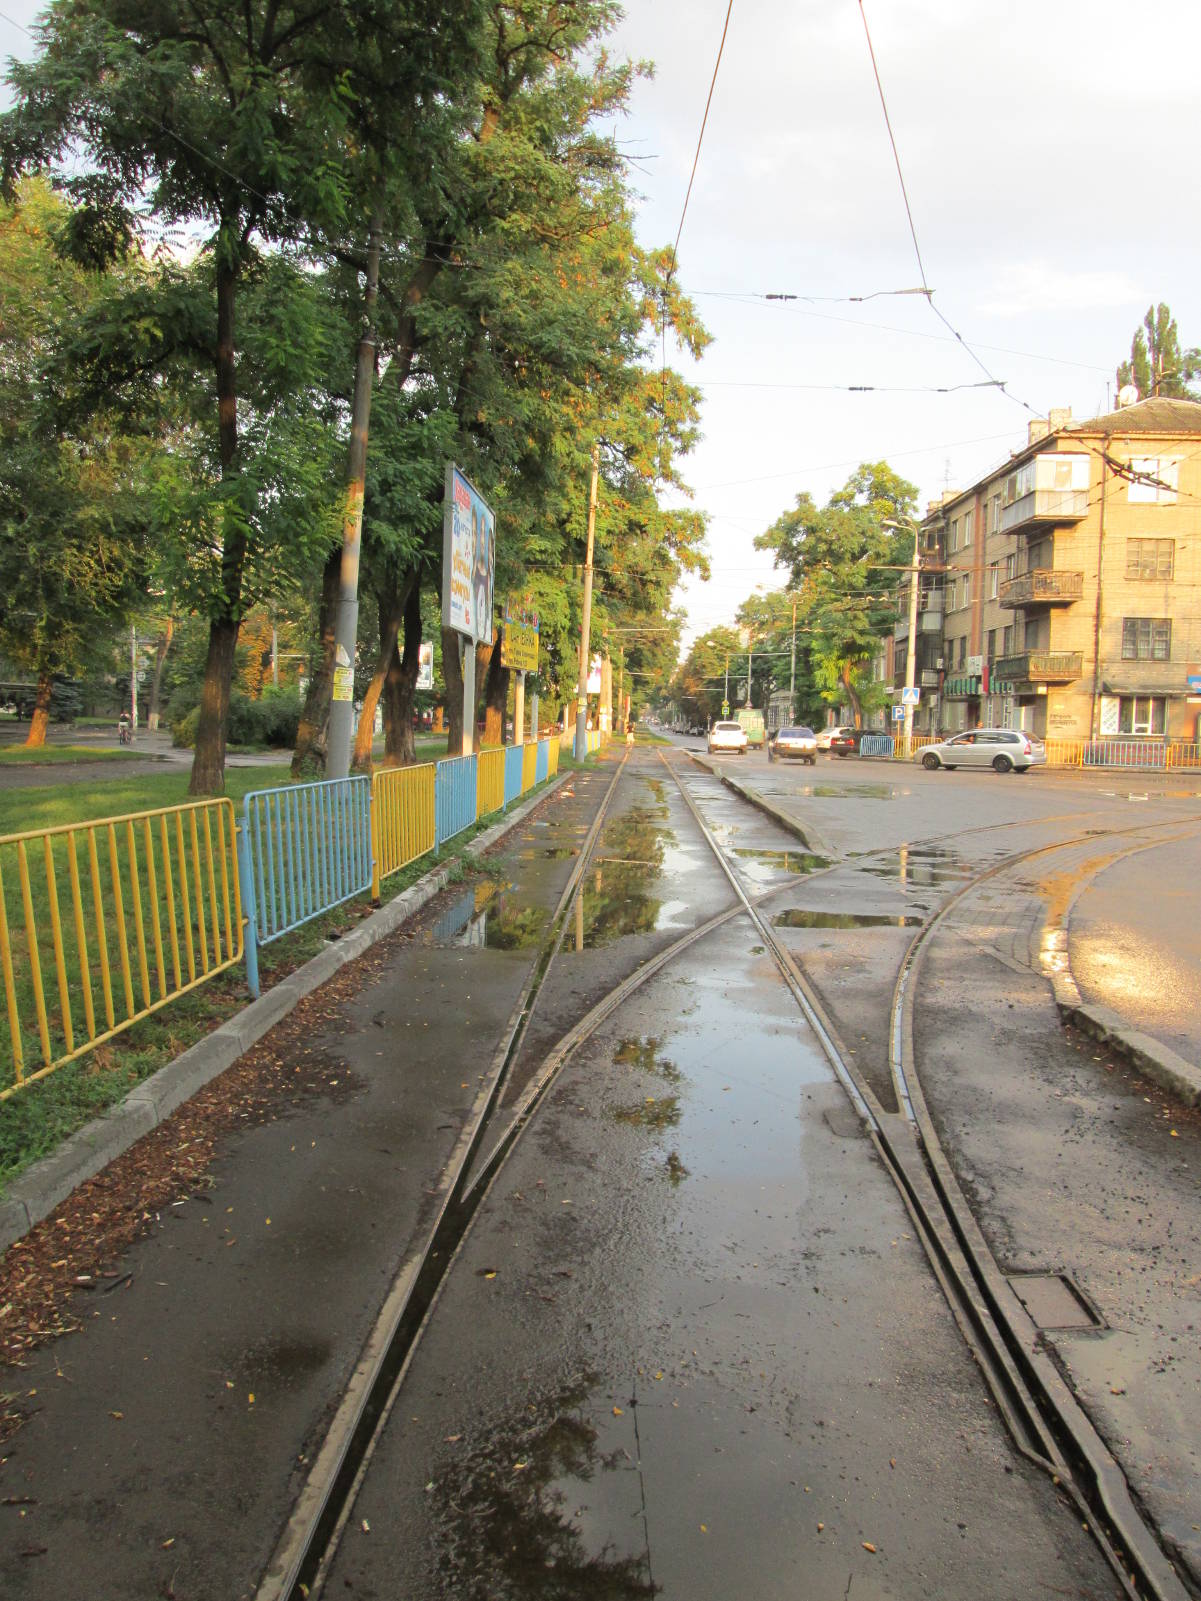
1006	750
797	741
827	734
727	736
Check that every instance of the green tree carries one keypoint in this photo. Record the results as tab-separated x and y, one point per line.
74	554
844	562
1158	366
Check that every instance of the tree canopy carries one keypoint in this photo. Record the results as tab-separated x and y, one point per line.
1158	365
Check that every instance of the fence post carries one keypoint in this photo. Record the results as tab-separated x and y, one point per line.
249	910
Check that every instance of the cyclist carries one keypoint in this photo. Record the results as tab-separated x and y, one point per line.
125	729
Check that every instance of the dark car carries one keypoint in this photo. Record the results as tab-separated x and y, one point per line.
845	742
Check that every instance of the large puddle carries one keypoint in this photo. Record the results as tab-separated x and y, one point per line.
617	899
921	866
488	916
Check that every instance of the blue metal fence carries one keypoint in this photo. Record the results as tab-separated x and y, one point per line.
454	797
542	769
302	849
876	745
514	755
1144	753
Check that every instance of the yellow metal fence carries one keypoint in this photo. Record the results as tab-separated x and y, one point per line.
402	818
490	781
102	923
529	766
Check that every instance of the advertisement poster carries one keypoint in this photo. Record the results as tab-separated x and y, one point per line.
425	665
468	559
594	677
519	647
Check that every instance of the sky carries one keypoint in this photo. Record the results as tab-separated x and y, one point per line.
1050	154
1050	157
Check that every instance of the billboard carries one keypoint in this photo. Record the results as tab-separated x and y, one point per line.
425	665
468	558
519	647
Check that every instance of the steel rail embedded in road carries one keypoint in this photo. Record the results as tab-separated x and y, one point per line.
1045	1420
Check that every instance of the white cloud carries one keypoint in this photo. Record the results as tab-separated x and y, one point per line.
1034	286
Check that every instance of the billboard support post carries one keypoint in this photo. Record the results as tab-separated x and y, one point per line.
581	715
519	711
468	573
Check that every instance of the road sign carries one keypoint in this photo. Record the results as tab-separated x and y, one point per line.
911	697
725	708
898	714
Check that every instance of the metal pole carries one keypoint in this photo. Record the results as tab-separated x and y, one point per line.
468	695
792	670
581	715
341	711
519	711
133	677
750	654
274	656
911	644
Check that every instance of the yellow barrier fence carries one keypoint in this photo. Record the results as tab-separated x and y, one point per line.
490	781
529	766
402	818
553	747
102	923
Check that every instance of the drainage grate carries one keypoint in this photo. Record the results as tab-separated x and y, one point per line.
1054	1302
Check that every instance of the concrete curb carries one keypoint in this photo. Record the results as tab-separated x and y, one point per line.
1161	1064
807	835
46	1184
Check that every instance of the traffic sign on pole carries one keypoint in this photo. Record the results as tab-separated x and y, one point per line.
910	697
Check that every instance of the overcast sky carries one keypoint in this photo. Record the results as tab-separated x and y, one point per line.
1050	152
1051	157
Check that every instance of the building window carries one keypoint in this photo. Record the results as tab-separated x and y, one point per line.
1150	558
961	651
953	537
969	518
967	590
1007	641
994	514
1156	480
994	577
1146	639
1141	714
992	644
1011	566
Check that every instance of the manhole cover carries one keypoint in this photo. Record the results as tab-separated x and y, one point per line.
1053	1301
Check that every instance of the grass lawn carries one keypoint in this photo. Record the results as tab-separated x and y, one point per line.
110	797
61	755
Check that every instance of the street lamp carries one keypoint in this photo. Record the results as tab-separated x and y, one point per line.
911	642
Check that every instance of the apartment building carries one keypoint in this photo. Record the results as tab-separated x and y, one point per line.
1071	582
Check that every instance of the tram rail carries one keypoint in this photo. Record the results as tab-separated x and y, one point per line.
1046	1423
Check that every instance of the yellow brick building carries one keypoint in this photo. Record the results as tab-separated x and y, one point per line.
1072	581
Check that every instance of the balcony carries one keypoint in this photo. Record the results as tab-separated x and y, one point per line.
929	615
1039	667
1050	488
1042	586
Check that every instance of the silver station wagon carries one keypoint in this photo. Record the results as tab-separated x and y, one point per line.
1005	750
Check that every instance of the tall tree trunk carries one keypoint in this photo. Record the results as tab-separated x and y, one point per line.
41	711
856	705
391	601
312	731
452	674
483	665
208	764
400	686
161	646
496	695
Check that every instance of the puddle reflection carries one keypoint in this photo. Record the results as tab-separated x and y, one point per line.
793	917
486	917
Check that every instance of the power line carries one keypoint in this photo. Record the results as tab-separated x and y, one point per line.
699	139
929	293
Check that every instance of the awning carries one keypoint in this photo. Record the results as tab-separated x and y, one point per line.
1164	691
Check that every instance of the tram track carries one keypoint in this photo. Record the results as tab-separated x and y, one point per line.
1043	1418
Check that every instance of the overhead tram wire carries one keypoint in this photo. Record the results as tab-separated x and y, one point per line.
675	249
921	266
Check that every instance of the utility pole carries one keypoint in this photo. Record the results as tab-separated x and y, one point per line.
792	670
911	642
581	716
341	711
133	677
750	657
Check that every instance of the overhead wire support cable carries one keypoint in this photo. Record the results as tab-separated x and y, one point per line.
921	266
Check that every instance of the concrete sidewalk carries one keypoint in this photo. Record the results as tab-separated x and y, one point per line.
275	1209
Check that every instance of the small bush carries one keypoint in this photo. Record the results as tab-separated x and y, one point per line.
270	721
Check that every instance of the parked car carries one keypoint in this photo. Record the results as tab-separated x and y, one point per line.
798	741
726	737
828	735
845	741
1006	750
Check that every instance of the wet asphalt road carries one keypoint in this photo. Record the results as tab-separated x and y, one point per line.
690	1346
